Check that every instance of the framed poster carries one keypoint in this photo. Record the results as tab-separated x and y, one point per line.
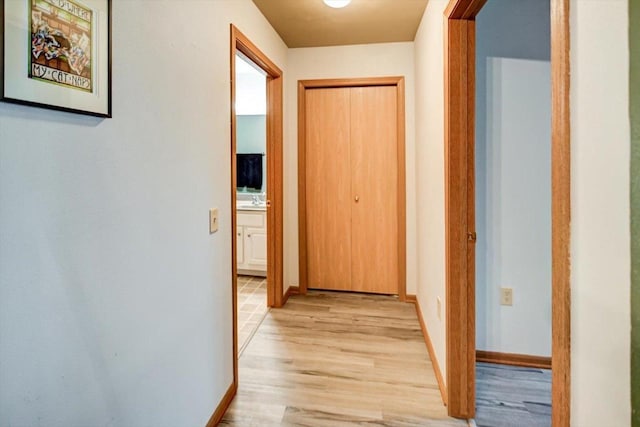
57	54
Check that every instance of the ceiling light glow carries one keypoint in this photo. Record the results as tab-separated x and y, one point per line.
337	4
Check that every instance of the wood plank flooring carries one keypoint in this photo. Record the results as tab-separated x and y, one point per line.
509	396
338	359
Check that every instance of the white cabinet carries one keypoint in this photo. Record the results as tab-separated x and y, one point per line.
239	245
255	247
251	242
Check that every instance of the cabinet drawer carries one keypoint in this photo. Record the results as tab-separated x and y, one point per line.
246	219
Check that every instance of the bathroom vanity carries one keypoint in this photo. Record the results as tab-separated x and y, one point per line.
251	239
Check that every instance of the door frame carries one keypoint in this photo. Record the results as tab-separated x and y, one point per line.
459	69
303	85
241	43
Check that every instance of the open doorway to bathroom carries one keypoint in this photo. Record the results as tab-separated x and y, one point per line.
256	197
251	201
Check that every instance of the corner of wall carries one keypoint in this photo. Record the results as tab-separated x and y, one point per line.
600	210
429	158
634	92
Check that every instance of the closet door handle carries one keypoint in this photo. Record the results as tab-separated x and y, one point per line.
357	199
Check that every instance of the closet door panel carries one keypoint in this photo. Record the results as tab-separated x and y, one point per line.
374	182
328	188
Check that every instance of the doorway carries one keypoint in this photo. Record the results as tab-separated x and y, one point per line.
251	200
513	214
256	198
339	200
460	230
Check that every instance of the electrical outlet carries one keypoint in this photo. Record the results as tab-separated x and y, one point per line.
213	220
439	302
506	296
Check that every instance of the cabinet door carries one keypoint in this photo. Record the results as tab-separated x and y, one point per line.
255	245
328	188
239	246
374	186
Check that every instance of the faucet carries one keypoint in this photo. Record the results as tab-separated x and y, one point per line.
258	199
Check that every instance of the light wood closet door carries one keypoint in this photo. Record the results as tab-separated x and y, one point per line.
374	184
328	188
352	189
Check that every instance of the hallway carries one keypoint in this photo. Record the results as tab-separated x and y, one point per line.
338	359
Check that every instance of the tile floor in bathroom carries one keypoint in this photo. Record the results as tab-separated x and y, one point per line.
252	307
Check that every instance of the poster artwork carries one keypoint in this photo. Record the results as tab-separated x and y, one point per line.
61	43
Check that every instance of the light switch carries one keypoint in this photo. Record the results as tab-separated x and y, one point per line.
213	220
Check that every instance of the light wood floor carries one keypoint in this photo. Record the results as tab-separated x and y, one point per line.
337	359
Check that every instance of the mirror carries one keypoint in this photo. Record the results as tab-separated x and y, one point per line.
251	127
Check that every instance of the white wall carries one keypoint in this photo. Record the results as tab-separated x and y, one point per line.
374	60
429	165
513	176
115	302
513	215
600	254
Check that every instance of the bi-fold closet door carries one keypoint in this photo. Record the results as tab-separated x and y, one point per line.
352	188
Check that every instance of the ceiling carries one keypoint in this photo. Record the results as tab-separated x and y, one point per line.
310	23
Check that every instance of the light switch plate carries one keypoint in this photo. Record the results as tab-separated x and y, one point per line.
213	220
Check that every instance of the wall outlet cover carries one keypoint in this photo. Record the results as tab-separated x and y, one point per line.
506	296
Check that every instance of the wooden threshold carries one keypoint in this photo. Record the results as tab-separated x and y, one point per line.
522	360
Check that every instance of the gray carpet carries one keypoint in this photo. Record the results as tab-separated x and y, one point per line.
508	396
